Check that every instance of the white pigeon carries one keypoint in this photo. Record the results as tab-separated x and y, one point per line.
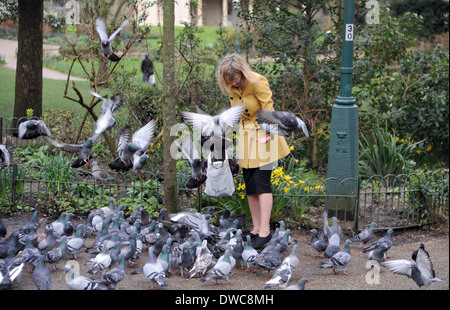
106	119
202	261
281	275
154	271
101	261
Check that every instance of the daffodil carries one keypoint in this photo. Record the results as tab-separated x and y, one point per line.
291	148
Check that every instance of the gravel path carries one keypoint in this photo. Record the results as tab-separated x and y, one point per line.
360	277
8	51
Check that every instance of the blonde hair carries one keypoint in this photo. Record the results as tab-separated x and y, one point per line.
229	66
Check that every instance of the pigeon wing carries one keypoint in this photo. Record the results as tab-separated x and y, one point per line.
144	136
118	30
100	25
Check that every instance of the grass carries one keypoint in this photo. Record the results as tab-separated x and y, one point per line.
52	94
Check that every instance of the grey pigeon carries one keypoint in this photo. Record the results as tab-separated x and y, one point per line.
76	242
41	275
185	260
32	129
113	277
84	150
125	148
270	260
378	254
31	254
385	241
281	275
294	261
106	119
420	269
300	286
286	121
221	270
105	44
48	243
249	254
143	138
194	220
365	236
154	271
333	246
100	262
202	261
191	153
10	269
99	174
339	260
77	282
5	155
320	245
55	255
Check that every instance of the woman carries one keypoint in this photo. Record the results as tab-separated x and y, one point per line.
258	152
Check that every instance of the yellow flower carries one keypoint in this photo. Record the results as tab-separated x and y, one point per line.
318	188
242	196
428	148
301	182
396	139
286	189
291	148
241	187
296	161
419	151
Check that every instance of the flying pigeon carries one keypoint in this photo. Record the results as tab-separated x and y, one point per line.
148	70
286	122
365	236
143	138
105	45
317	244
420	269
299	286
5	155
32	129
221	270
41	275
99	174
339	260
84	150
190	152
106	119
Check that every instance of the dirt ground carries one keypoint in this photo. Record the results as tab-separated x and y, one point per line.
360	277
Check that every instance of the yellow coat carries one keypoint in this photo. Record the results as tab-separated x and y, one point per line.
250	153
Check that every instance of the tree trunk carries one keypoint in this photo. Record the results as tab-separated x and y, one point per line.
169	106
28	91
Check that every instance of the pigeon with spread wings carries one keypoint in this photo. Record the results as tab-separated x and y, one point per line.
105	44
285	122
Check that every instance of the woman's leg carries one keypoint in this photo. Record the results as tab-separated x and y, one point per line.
261	209
255	210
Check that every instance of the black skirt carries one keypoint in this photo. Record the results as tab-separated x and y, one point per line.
257	180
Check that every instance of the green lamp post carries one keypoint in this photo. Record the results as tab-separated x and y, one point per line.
343	155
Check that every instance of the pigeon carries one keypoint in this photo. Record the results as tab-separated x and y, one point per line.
11	245
105	44
339	260
48	243
299	286
164	258
320	245
333	246
100	262
106	119
270	260
5	155
249	254
41	275
221	270
84	150
365	236
32	129
55	255
143	138
378	254
194	220
385	242
281	275
420	269
31	254
113	277
77	282
186	259
99	174
10	269
202	261
191	153
285	121
294	261
76	242
32	224
154	271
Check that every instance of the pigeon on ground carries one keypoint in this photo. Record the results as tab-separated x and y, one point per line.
99	174
202	261
339	260
270	260
333	246
106	119
194	220
11	245
186	259
154	271
249	254
378	254
113	277
55	255
10	269
105	44
5	155
281	275
191	153
221	270
41	275
299	286
31	129
31	254
386	242
76	242
294	261
320	245
100	262
420	269
285	121
77	282
48	243
365	236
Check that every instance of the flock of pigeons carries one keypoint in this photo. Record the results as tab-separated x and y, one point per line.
186	240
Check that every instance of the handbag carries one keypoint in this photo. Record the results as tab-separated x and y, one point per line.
219	181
